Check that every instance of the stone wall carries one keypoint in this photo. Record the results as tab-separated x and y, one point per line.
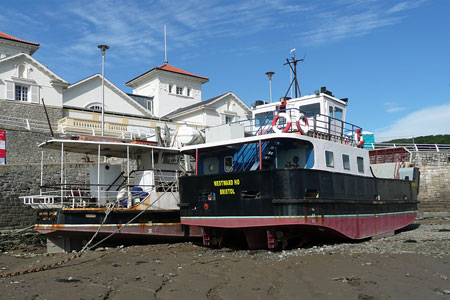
434	195
21	143
23	180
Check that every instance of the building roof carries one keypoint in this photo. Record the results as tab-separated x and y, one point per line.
168	68
118	91
37	64
201	104
13	38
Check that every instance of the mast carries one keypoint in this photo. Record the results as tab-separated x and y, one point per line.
292	62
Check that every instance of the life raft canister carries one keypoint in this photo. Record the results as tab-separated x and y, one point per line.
359	138
275	121
302	124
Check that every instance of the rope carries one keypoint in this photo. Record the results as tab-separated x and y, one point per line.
86	247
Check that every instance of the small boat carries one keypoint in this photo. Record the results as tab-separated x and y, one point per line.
297	172
130	193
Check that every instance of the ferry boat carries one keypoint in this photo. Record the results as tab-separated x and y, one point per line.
294	173
130	193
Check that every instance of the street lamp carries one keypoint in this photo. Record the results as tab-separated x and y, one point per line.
270	74
103	48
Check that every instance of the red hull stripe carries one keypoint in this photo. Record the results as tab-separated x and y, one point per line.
352	226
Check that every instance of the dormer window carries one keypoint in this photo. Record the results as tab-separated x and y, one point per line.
188	92
179	90
170	89
22	71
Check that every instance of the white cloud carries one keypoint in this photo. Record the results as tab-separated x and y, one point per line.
336	26
427	121
392	107
352	18
402	6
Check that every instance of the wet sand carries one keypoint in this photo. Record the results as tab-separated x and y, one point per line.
413	264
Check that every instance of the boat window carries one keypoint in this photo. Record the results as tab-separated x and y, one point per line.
211	165
360	162
346	161
263	118
329	157
338	113
330	111
311	109
169	158
228	163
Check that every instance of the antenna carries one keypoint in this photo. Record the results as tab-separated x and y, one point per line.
292	62
165	45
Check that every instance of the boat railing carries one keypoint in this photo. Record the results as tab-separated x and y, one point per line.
409	146
97	195
319	125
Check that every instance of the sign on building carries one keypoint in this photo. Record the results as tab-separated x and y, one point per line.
2	147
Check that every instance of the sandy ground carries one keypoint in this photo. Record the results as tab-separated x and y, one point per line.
413	264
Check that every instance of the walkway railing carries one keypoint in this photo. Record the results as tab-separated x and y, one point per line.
410	147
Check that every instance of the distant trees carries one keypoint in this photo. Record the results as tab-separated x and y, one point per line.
429	139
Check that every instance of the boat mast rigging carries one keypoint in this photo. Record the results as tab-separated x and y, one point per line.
292	62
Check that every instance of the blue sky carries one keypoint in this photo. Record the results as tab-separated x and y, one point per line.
390	58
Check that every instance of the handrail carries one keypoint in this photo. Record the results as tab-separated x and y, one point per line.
409	146
320	125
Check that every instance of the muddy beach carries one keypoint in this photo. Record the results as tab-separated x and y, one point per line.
413	264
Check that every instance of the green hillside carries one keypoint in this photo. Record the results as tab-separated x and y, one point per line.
429	139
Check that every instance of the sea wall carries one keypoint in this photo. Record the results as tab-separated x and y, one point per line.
434	195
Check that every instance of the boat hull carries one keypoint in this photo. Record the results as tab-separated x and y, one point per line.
297	203
70	229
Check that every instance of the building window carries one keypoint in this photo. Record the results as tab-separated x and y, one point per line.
360	162
188	92
95	107
346	161
229	119
329	158
179	90
150	105
170	89
21	93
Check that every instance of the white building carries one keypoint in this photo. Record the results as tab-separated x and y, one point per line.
171	88
87	94
10	45
159	95
223	109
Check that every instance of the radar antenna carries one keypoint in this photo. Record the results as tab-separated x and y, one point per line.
292	62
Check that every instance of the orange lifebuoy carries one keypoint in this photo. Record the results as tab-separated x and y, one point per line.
275	120
305	124
359	139
206	206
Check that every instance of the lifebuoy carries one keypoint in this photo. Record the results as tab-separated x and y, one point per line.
302	128
359	139
275	120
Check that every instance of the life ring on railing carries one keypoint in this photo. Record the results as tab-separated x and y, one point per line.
302	128
275	121
359	139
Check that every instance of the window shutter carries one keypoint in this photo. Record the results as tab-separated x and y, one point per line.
10	90
222	117
35	94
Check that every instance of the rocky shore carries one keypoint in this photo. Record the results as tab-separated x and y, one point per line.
413	264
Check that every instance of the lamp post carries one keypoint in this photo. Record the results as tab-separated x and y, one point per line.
103	48
270	74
